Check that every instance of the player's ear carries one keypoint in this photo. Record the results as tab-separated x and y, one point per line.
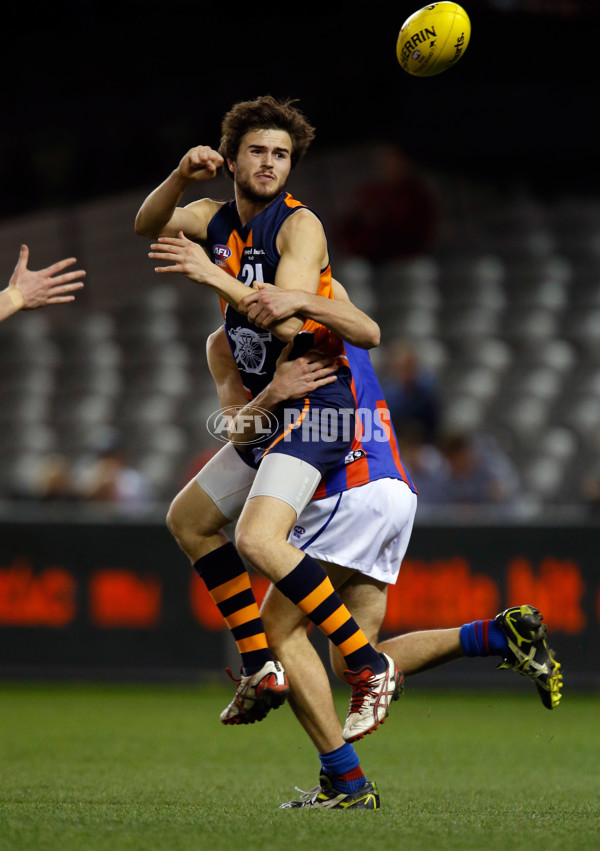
230	165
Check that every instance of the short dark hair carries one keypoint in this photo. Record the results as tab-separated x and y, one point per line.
265	113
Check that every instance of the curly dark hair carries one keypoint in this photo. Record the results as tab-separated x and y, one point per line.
265	113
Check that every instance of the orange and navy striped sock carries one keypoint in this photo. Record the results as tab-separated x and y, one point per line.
226	578
309	587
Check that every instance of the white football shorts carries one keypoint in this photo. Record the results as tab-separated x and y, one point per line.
366	528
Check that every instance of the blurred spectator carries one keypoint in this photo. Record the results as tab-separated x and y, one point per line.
394	216
112	479
427	466
478	472
55	481
410	390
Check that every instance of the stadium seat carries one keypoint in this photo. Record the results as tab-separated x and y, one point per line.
544	476
462	323
410	323
464	414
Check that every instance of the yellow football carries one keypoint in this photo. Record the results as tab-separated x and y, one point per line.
433	39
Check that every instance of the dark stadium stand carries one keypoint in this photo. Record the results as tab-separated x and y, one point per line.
505	310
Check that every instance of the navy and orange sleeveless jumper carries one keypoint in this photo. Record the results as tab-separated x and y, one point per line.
249	253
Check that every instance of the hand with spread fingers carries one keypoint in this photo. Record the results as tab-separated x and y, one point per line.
28	289
183	256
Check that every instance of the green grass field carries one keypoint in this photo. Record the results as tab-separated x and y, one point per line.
151	767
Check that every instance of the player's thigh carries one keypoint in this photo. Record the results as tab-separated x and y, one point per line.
193	512
282	488
226	480
287	478
213	498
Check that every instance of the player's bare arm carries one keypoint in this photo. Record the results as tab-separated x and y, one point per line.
187	258
267	304
292	379
303	254
161	215
224	372
28	289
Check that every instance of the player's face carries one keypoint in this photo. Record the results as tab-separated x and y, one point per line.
262	164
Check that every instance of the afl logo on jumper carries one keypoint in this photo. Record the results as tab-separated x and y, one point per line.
250	350
220	255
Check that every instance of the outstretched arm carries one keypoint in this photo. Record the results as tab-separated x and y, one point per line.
302	250
267	304
188	258
28	289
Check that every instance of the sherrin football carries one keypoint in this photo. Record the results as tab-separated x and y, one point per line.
433	39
